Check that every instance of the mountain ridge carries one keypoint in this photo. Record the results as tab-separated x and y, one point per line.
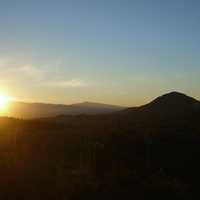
37	110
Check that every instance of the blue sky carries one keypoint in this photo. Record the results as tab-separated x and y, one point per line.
113	51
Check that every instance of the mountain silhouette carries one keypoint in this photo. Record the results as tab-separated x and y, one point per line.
174	101
170	104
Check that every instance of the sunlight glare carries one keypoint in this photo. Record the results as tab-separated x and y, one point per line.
4	100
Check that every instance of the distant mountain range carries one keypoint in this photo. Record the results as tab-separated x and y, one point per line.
169	105
38	110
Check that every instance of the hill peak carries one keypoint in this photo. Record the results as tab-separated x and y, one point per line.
175	97
173	102
175	94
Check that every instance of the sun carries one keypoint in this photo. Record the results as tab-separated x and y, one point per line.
4	101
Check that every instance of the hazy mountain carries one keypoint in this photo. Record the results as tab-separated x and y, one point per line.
37	110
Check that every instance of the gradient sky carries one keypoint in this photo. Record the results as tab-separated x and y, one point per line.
122	52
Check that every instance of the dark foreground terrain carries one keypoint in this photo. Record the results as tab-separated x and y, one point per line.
147	152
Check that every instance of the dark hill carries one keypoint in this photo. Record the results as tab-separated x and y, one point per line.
168	105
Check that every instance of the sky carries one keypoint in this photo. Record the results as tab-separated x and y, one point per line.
123	52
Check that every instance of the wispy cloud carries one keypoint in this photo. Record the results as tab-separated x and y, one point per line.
19	71
75	83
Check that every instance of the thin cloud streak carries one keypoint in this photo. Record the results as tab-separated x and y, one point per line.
74	83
